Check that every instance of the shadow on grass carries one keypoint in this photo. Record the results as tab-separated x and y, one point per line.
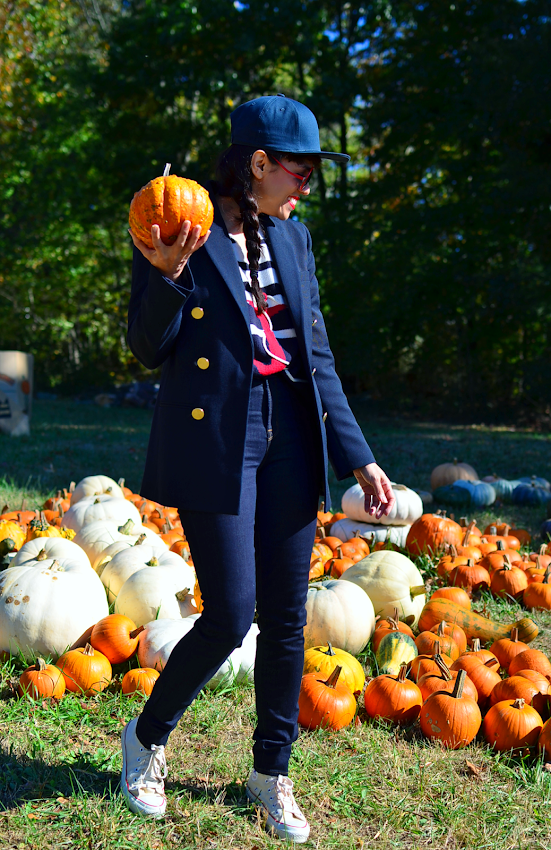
24	779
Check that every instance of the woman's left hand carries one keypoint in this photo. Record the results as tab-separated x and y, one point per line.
379	497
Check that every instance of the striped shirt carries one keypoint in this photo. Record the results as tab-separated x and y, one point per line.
274	337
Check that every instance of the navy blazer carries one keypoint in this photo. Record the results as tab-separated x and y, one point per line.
195	453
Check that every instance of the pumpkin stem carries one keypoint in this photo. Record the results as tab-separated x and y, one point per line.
463	522
339	553
441	627
543	549
88	649
334	677
500	545
475	644
41	555
54	565
418	590
72	486
182	594
547	574
470	562
459	684
154	562
507	565
127	528
402	674
514	635
329	650
506	530
321	532
120	482
166	172
40	665
493	530
443	667
140	539
436	648
393	624
518	703
135	632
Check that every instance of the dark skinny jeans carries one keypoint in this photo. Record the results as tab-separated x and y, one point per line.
260	556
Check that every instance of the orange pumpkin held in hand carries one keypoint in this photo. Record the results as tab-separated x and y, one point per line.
169	201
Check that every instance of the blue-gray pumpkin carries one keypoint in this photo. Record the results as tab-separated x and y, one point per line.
530	495
504	487
475	494
533	479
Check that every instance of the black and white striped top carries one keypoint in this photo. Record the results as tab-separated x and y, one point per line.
274	337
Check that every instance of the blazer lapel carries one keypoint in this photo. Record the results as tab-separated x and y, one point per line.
295	285
220	250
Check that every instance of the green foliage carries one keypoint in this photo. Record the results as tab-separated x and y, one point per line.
433	247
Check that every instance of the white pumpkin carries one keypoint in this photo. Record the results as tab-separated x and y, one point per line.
95	538
46	607
96	485
128	561
96	508
391	581
157	593
44	548
407	508
239	665
335	614
151	539
344	529
159	638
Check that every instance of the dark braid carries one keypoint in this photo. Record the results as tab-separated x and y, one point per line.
234	180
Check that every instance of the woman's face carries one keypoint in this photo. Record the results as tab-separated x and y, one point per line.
276	191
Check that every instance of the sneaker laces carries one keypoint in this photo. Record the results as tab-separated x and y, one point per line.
283	788
150	770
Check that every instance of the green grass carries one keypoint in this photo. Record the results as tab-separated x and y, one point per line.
367	786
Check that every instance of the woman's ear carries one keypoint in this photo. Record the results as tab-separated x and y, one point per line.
259	164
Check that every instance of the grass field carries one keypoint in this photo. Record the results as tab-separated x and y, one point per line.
366	786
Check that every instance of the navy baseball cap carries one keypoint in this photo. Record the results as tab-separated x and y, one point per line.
279	123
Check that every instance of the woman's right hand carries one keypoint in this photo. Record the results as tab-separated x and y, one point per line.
171	259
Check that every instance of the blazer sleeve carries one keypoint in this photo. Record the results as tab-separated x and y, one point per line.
346	444
155	310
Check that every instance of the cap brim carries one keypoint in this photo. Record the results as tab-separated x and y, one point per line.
334	157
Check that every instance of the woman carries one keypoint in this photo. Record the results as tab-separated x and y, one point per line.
249	409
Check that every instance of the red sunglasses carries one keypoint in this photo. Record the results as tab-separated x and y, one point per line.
303	181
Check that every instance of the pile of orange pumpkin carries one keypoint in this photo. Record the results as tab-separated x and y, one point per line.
447	686
88	669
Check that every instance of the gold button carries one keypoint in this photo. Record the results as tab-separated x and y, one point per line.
203	363
197	312
197	412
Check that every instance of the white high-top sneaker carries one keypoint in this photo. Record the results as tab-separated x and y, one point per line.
143	772
274	794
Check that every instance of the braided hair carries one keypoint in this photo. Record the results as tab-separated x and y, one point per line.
234	180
